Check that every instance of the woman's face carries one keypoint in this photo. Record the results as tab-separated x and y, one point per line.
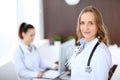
28	37
88	26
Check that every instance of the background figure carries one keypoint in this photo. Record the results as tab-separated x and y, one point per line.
93	38
27	60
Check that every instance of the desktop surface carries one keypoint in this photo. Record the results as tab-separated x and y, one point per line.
64	76
66	51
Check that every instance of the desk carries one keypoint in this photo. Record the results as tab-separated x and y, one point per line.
62	77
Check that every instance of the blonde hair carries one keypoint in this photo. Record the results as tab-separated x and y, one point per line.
102	30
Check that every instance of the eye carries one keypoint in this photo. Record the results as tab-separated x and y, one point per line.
91	23
82	23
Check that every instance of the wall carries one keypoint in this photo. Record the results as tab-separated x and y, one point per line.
61	19
31	11
8	23
13	12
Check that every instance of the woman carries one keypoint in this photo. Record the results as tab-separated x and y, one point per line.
27	60
93	38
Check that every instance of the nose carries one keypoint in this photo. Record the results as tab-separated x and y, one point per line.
86	27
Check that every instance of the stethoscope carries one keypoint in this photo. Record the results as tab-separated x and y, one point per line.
23	57
79	50
88	68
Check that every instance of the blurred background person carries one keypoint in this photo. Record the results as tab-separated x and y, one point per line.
27	60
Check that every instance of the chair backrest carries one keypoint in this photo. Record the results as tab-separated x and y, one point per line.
112	70
7	72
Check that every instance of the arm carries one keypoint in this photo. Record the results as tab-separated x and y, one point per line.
103	63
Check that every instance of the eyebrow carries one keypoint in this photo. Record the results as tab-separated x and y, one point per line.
87	21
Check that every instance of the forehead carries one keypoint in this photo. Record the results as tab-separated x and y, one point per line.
88	16
31	30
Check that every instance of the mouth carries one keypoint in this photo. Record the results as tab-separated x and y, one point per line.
86	32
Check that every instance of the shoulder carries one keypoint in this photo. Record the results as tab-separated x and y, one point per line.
17	51
103	51
103	48
33	46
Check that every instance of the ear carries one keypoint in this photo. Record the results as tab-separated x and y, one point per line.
23	34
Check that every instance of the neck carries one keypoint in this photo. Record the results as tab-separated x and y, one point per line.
88	40
26	43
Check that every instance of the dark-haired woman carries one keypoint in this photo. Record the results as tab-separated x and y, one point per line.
27	60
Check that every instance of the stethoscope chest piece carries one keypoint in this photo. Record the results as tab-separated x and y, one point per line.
88	69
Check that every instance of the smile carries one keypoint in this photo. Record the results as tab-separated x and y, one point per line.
86	32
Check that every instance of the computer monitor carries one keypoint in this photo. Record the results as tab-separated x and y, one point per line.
65	54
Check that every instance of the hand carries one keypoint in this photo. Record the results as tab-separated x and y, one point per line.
56	67
40	75
56	62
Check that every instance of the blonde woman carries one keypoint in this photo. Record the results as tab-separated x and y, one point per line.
92	59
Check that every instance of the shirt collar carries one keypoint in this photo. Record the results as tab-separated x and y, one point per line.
25	47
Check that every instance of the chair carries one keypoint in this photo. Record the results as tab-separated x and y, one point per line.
112	70
7	72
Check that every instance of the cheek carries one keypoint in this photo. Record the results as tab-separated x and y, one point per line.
32	37
28	37
95	30
25	37
80	28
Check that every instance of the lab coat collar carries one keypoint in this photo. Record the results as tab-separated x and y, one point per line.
83	42
25	48
92	42
89	46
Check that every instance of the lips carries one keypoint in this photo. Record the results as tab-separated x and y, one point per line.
86	32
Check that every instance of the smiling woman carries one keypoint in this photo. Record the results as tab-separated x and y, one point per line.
92	59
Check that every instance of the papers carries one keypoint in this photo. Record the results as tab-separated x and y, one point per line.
51	74
39	79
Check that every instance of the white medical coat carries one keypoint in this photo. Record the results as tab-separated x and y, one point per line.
29	64
100	62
